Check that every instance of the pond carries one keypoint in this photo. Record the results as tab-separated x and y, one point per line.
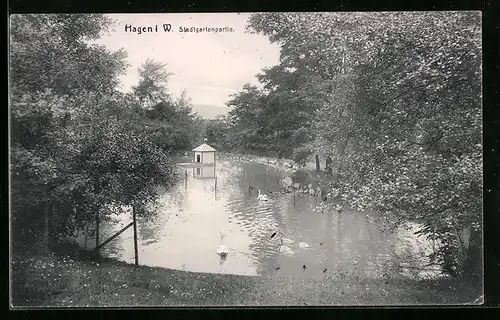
186	231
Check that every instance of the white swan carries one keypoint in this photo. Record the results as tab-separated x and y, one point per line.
285	250
261	197
303	245
222	250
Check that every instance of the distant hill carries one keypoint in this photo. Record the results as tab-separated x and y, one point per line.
209	111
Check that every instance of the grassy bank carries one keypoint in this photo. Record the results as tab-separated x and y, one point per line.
61	281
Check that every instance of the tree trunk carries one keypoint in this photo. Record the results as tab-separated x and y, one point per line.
328	165
342	151
97	230
46	229
318	169
86	233
134	211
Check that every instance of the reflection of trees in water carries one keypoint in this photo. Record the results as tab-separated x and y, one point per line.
256	176
174	199
329	239
365	251
360	244
148	231
413	253
150	221
359	241
387	253
226	172
349	247
372	245
382	249
261	176
259	218
346	236
282	213
339	237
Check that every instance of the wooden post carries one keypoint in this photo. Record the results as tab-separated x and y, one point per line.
97	231
134	211
318	169
249	189
294	196
115	235
46	220
339	233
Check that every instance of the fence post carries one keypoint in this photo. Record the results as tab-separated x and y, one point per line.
134	211
215	188
97	230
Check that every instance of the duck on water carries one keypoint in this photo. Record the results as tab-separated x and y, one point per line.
222	249
262	197
303	245
285	249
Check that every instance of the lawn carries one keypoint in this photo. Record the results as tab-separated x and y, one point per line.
63	281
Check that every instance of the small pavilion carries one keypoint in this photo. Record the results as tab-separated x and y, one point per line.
204	154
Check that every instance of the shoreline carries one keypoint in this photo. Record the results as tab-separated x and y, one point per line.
309	180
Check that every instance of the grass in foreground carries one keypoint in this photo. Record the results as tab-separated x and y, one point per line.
58	281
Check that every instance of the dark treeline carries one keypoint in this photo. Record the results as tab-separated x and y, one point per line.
78	145
393	99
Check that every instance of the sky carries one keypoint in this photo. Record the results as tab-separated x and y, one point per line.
210	66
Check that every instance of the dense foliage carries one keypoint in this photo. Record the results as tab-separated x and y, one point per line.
168	121
78	146
394	99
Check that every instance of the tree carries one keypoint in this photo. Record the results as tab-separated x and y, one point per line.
169	121
247	118
217	132
152	86
292	98
57	52
76	150
401	116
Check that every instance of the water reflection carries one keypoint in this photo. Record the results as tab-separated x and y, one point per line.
184	232
204	172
